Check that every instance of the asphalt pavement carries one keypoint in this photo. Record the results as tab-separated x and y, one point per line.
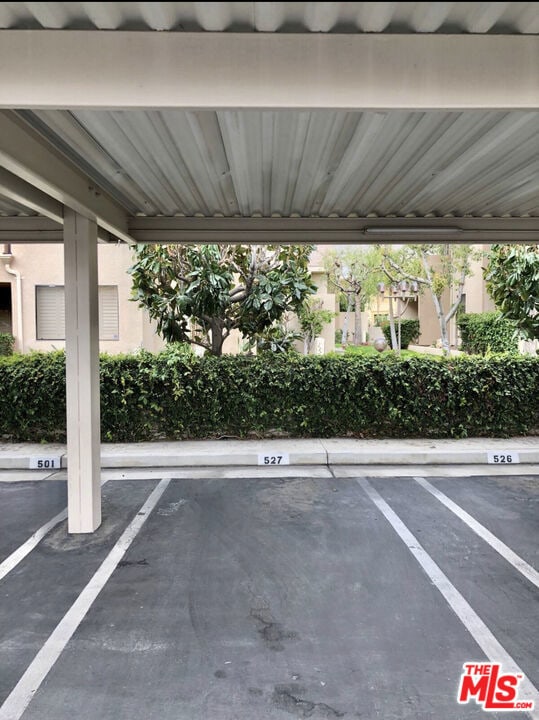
269	597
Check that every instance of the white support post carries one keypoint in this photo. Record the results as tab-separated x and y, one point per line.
82	373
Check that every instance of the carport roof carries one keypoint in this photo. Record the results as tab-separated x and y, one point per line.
269	128
426	116
296	17
309	164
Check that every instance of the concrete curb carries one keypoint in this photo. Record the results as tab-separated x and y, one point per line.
237	453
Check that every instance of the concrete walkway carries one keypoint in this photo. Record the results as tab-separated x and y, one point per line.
337	451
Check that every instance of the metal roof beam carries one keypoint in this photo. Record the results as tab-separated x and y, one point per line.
27	156
37	229
333	230
267	70
30	230
13	188
294	230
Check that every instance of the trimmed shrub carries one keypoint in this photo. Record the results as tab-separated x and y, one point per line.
6	344
148	397
32	397
489	332
409	331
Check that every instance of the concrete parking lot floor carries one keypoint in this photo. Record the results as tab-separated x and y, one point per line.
271	598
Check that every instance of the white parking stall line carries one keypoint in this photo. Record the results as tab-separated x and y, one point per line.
18	555
516	561
22	694
482	635
7	565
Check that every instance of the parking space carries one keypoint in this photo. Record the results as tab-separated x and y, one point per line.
246	598
24	508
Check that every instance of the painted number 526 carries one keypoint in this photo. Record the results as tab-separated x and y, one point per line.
502	458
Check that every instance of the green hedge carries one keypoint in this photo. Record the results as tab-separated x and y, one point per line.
6	344
149	397
32	397
482	333
409	331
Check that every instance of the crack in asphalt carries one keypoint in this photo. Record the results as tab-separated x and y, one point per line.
272	632
286	697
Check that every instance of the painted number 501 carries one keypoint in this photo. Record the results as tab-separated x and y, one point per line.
49	462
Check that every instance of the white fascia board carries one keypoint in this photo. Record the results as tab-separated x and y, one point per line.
129	70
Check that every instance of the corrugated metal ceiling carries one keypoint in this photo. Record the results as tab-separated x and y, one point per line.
306	163
347	17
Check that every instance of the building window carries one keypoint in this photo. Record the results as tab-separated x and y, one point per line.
50	312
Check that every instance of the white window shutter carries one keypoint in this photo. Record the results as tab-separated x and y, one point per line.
108	312
50	312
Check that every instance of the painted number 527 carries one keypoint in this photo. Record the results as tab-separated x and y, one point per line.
273	459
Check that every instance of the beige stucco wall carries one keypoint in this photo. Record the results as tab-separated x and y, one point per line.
477	301
365	319
379	307
44	265
477	298
327	302
429	326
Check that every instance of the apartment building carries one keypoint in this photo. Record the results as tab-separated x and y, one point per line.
32	300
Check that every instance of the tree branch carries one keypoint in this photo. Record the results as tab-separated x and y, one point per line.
206	346
455	307
403	273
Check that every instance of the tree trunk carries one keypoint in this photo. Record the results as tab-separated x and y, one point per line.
445	337
394	343
217	338
358	325
346	322
443	326
306	344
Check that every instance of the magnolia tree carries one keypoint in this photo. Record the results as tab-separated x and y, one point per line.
355	273
512	277
440	270
199	294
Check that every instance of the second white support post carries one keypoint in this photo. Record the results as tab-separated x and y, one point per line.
82	373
